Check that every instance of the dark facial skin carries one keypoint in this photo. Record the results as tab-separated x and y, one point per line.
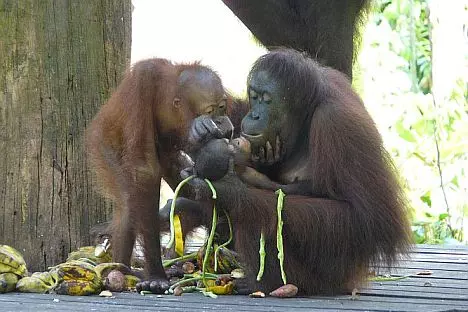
267	104
204	92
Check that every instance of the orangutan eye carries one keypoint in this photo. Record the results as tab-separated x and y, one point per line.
253	95
209	110
222	104
266	98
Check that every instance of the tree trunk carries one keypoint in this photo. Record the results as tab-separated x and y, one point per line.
59	61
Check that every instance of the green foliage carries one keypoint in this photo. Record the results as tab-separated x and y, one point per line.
425	129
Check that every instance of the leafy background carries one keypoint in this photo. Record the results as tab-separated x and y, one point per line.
412	74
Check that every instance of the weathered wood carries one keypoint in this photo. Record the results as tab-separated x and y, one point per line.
59	62
444	291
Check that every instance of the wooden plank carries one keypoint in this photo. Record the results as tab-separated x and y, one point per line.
444	266
416	292
442	247
425	282
458	251
446	289
444	274
196	302
440	258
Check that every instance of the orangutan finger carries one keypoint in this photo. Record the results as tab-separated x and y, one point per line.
277	149
254	156
270	158
262	155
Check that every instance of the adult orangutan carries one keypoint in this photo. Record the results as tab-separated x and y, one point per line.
326	29
344	209
134	141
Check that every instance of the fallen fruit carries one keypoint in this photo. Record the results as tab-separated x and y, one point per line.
285	291
115	281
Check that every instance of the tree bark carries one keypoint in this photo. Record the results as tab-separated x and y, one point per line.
59	61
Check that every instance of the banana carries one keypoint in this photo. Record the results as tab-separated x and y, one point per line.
76	270
39	282
88	261
11	261
8	282
102	250
103	269
32	284
78	288
89	252
131	281
221	290
48	278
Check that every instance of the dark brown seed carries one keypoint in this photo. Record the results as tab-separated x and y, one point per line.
188	267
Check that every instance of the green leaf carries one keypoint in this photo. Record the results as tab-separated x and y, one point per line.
426	198
424	127
443	216
404	133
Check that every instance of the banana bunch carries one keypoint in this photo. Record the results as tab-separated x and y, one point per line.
79	278
12	268
39	282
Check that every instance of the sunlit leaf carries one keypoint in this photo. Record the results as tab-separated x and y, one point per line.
404	133
443	216
426	198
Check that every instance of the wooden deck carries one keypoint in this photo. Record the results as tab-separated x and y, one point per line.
446	289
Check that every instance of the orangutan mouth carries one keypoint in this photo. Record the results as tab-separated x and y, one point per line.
252	137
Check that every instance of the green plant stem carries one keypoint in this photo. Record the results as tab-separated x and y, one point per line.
279	233
223	245
188	280
388	279
209	243
168	263
171	215
262	253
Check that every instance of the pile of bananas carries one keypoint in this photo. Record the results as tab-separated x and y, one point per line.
84	273
38	282
12	268
76	278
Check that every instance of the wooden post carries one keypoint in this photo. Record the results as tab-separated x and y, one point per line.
59	61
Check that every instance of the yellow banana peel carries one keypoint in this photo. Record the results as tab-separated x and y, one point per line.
8	282
131	281
78	288
221	290
11	261
103	269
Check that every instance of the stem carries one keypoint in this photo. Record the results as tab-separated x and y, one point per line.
171	216
213	191
262	257
188	280
223	245
209	243
168	263
436	125
279	233
412	63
